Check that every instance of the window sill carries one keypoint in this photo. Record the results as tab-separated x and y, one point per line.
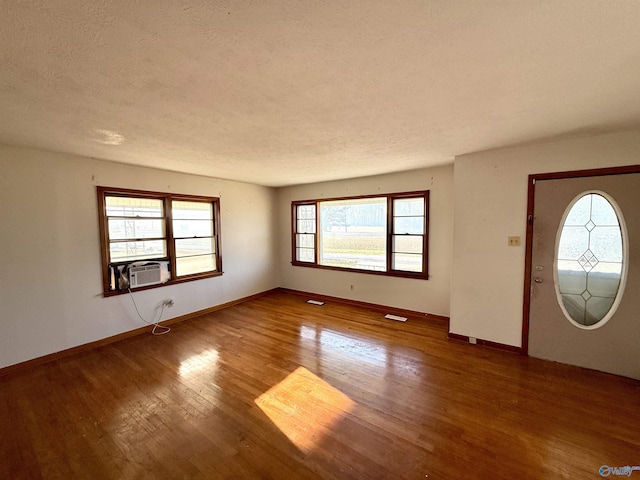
394	273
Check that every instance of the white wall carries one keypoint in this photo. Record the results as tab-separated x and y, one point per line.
428	296
50	272
50	277
490	203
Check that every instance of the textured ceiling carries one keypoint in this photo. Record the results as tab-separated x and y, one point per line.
284	92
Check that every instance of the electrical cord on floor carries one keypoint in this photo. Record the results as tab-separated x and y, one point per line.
156	324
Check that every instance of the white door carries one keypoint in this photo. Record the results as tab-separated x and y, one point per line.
585	280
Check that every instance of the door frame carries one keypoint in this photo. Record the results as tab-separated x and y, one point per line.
531	193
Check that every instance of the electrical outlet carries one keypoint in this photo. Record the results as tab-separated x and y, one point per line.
473	340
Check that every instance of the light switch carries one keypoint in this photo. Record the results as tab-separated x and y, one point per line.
514	241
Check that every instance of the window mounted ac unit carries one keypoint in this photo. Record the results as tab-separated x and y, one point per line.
145	275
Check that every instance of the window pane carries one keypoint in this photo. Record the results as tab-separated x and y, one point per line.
120	229
134	224
353	233
411	225
589	259
195	255
194	246
604	279
306	219
305	255
191	210
306	226
357	233
574	241
133	207
407	243
306	212
305	240
192	228
580	212
199	264
575	306
408	207
597	308
606	243
120	251
602	213
571	277
406	262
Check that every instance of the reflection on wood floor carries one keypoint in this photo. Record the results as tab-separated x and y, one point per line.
276	388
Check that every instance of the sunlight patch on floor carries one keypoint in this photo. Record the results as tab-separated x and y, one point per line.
363	350
199	363
304	407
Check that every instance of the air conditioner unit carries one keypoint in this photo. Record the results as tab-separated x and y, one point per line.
145	275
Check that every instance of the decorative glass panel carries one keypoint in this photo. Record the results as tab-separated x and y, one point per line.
602	213
607	242
575	241
590	260
580	213
572	279
597	308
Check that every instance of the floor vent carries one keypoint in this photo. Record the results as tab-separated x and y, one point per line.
397	318
315	302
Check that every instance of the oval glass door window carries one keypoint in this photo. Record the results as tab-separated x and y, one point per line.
590	260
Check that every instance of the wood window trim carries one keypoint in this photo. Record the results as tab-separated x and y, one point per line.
167	198
390	197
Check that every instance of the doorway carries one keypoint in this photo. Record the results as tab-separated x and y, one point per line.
582	270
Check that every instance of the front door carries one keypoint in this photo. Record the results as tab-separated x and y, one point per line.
585	273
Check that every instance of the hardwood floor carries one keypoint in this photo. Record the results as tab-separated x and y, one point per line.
276	388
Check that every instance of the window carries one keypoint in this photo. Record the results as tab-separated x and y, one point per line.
195	243
179	232
382	234
590	260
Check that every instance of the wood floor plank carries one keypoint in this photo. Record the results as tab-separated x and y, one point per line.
276	388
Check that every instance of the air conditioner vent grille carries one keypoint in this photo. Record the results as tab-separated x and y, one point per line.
145	275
